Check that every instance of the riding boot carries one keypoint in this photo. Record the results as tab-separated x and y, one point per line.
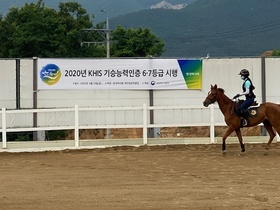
244	120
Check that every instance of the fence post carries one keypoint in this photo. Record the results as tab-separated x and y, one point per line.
76	126
212	125
4	129
145	124
277	135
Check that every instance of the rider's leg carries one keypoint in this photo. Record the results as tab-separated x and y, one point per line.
243	109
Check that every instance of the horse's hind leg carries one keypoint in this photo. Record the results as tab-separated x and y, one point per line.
270	131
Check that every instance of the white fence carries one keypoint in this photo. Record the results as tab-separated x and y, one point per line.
220	71
77	118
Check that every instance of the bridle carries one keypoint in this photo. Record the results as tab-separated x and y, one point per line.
213	99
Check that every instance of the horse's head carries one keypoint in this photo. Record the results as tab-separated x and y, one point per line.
211	97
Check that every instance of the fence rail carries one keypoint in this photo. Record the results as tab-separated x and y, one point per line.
211	119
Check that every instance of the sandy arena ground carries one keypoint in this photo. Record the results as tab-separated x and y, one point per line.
160	177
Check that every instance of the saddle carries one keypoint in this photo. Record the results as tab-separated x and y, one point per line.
252	110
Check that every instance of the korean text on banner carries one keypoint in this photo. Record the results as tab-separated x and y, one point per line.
119	74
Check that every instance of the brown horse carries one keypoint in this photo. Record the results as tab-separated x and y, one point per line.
267	113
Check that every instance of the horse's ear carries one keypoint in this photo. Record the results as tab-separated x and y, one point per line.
215	86
211	86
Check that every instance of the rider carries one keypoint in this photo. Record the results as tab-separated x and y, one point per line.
247	88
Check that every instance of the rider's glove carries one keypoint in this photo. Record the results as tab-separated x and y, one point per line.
236	96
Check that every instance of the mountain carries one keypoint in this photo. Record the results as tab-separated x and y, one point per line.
217	27
113	7
220	27
167	5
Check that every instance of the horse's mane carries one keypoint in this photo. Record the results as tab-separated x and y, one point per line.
222	90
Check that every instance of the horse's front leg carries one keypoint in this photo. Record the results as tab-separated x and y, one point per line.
238	133
228	132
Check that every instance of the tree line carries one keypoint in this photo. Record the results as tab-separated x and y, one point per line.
36	30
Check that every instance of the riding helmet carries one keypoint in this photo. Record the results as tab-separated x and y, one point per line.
244	72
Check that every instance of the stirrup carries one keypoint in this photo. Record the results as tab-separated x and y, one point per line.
244	122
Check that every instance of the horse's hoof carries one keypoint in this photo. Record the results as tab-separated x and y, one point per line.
224	152
266	153
241	153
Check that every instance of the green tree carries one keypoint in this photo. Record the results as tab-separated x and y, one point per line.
1	36
31	31
276	53
35	30
135	43
74	19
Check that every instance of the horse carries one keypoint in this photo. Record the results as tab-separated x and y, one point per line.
267	113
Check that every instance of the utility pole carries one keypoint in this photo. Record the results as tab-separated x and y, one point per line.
107	33
108	131
101	33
